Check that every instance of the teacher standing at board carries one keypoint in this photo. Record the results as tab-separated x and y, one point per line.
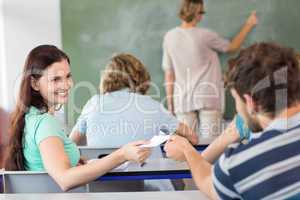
193	77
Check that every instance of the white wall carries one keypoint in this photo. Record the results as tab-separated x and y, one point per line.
2	57
24	24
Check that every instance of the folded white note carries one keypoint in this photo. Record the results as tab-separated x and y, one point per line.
156	141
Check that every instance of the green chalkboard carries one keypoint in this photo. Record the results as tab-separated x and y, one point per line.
94	30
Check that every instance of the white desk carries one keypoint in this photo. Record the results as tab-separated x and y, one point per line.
155	173
182	195
156	169
161	168
159	164
94	152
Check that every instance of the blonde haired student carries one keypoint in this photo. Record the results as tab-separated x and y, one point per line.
37	141
193	77
123	112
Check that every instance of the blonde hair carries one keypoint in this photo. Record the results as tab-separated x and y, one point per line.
125	71
189	9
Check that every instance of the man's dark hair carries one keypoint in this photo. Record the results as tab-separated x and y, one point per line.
269	73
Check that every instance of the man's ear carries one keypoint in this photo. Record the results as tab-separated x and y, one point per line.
34	84
250	104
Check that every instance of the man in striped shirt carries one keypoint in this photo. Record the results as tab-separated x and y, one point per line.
264	81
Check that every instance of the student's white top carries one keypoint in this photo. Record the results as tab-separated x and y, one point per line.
192	54
114	119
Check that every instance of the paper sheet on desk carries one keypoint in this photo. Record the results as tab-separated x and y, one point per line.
156	141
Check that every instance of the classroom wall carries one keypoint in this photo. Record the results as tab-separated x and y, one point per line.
24	24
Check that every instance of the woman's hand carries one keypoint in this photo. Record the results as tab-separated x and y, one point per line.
252	19
133	152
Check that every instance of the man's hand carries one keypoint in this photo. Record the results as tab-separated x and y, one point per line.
175	147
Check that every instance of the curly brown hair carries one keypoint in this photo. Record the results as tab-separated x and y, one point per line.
125	71
269	73
189	9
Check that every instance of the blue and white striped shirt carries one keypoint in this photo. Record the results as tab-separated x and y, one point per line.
268	167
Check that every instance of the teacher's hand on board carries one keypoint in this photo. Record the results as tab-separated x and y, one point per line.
252	19
133	152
